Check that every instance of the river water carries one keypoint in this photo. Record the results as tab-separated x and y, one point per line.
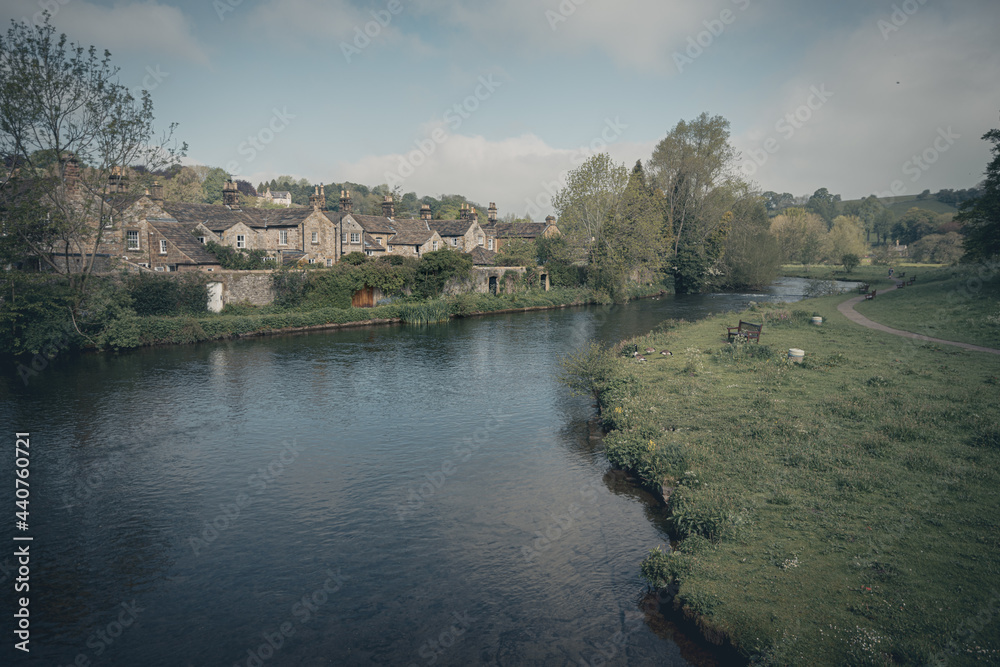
389	495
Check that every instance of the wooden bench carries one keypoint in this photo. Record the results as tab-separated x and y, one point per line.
745	330
901	284
902	275
863	288
912	280
869	297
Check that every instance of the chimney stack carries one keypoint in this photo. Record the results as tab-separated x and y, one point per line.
388	209
550	220
345	201
156	192
117	180
491	213
71	173
463	213
473	216
425	212
231	195
322	197
314	198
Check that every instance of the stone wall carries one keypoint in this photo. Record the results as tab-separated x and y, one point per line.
479	280
251	287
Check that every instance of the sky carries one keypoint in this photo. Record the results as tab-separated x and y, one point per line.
497	101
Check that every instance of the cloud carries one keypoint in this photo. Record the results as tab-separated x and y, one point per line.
351	28
519	173
138	27
890	95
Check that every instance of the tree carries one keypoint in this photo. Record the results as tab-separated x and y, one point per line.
592	190
630	242
846	237
938	248
800	235
824	204
517	252
850	262
752	257
981	216
184	188
694	168
67	129
915	224
211	185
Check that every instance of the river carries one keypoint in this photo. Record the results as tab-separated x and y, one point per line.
385	495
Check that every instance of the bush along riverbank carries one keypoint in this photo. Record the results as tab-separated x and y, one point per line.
842	510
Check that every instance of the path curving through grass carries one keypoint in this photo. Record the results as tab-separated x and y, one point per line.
847	309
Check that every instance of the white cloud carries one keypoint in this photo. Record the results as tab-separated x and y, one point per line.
641	34
892	98
138	27
518	173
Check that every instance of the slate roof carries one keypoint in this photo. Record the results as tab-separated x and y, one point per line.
219	218
374	224
518	230
371	244
180	235
450	227
483	257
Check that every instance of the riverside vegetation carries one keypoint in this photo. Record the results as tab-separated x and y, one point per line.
845	510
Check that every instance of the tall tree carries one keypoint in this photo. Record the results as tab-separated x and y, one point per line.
68	128
592	190
824	204
981	216
631	241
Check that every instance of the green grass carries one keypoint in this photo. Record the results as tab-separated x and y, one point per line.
876	276
951	304
845	510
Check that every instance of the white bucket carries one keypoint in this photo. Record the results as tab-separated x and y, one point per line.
795	355
817	321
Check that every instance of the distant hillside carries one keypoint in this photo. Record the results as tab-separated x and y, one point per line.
903	203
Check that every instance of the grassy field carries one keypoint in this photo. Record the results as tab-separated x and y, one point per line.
903	203
951	304
845	510
877	276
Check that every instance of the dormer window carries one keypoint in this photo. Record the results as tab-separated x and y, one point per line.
163	246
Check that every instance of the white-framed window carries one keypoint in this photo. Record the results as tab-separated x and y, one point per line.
389	248
241	241
132	238
315	237
144	264
479	240
163	246
345	237
491	244
201	240
434	245
312	260
369	252
454	241
283	237
158	268
355	237
209	269
329	262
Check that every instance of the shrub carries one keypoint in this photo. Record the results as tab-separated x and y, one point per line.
154	295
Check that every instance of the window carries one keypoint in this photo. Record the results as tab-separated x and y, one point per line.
329	262
454	241
480	240
390	248
133	240
163	246
434	245
355	237
283	237
312	260
491	244
201	240
345	237
144	264
158	268
315	237
241	241
369	252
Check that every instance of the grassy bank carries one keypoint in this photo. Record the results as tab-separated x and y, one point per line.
132	331
845	510
872	274
949	303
